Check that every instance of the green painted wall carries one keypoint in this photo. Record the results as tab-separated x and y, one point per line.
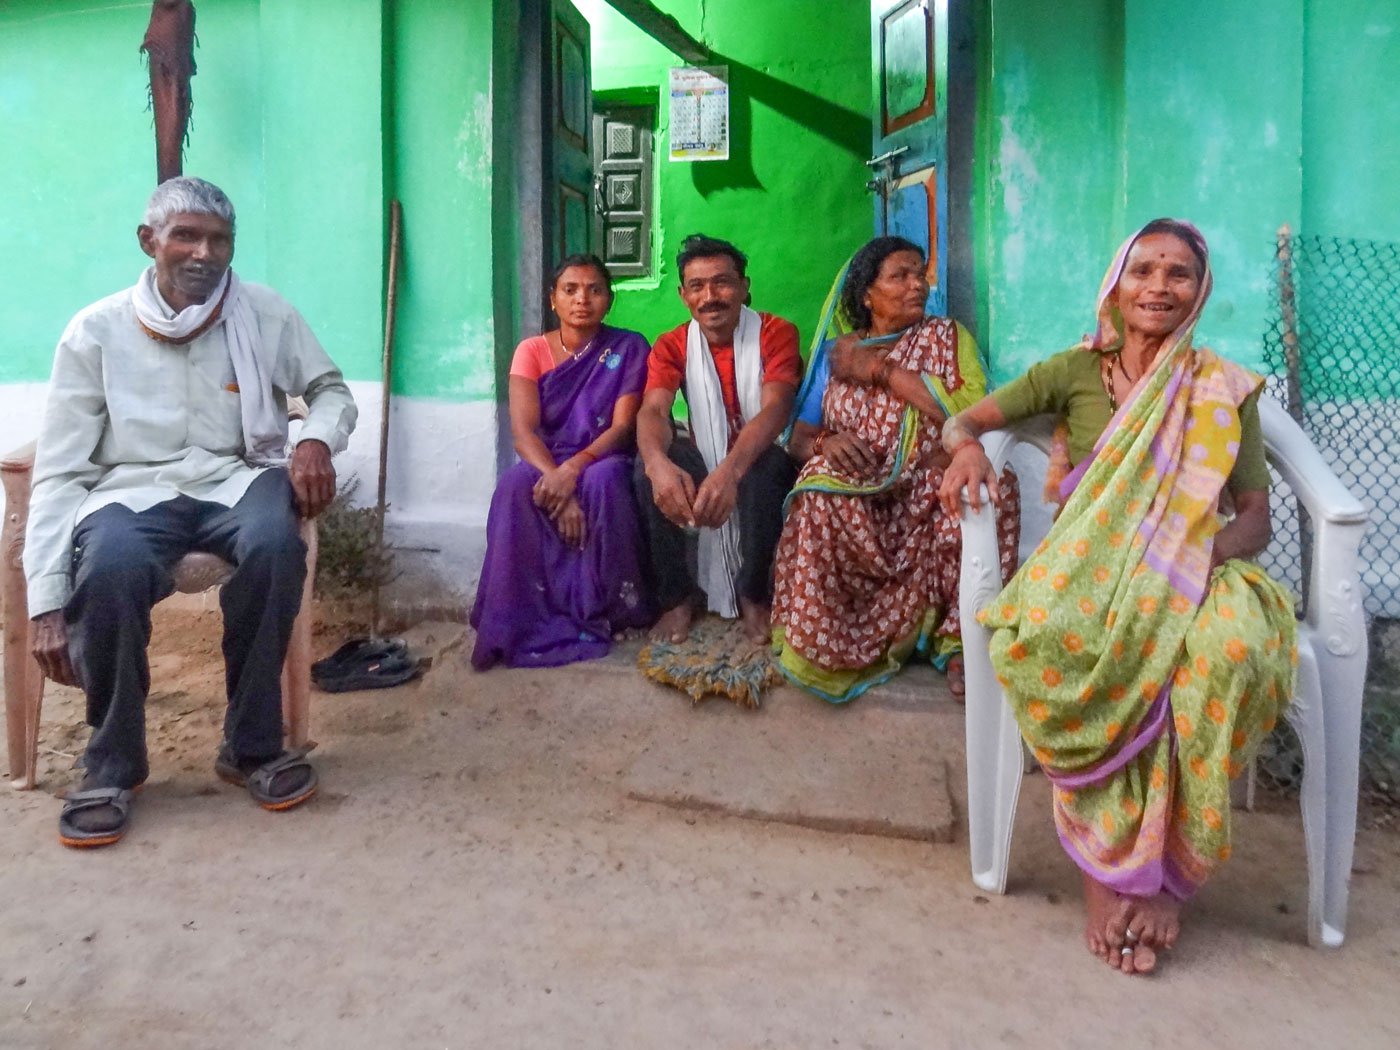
1351	119
313	113
80	156
1092	127
442	171
322	161
1218	140
792	194
1097	115
1351	190
1048	173
278	83
506	147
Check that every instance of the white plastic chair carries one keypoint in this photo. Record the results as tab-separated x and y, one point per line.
1332	648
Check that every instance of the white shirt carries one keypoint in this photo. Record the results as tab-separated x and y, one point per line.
134	421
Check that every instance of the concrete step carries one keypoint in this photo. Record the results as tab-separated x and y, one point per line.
880	765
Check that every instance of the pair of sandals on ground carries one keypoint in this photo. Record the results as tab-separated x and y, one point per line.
98	816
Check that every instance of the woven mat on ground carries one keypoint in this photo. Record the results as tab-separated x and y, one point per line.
716	660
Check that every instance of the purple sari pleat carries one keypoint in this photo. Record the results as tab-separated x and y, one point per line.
541	603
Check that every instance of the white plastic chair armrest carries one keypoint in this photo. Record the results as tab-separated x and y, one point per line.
979	526
1038	431
1306	472
1338	520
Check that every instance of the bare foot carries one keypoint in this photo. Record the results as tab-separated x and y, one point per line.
1154	921
1141	960
673	626
957	679
758	621
1105	921
1146	927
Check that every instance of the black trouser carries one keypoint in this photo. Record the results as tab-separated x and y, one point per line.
122	566
760	509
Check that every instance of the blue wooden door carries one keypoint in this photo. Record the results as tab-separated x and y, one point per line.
909	48
572	130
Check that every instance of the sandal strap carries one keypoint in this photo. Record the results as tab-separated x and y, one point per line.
391	663
92	798
262	777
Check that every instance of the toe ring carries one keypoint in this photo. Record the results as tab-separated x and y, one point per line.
1127	949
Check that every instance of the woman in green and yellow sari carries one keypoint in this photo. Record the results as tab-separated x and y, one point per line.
1144	654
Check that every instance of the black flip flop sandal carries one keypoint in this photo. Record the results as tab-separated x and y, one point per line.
93	798
357	653
379	672
259	781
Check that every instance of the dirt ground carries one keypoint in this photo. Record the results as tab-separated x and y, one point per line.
474	874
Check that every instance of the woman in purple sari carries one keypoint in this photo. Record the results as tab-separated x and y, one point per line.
563	568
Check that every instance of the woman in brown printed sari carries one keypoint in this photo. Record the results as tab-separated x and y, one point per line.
867	567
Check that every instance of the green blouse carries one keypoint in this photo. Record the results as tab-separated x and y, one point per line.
1068	385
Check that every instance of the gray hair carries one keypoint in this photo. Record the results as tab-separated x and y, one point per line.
189	195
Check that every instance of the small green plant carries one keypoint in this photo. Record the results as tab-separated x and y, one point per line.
349	561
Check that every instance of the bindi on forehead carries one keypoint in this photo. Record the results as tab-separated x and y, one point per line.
1164	251
1162	244
1165	257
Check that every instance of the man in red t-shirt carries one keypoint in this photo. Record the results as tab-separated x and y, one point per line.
740	396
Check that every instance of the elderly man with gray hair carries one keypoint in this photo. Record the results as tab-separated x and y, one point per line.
166	432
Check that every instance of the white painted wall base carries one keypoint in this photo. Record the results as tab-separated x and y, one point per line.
21	412
441	474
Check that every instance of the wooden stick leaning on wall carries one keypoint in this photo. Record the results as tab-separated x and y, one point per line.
390	304
1288	313
1293	380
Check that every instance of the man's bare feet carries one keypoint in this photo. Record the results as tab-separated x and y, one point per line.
673	626
1106	915
758	621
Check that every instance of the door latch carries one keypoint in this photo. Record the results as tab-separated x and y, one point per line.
886	159
886	167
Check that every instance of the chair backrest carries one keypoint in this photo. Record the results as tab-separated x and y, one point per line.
21	460
1337	518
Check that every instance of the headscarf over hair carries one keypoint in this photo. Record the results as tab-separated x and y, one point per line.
1108	336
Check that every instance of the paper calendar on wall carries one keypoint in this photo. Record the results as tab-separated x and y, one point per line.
699	119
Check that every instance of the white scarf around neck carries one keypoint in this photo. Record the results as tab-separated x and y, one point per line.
709	424
264	423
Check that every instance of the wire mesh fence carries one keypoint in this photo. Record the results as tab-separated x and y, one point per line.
1332	347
